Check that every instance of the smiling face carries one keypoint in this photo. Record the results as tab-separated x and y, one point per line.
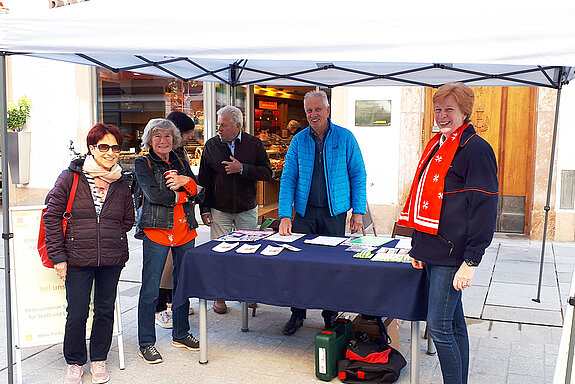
162	143
448	116
109	158
317	114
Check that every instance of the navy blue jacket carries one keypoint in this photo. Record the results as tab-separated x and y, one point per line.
469	208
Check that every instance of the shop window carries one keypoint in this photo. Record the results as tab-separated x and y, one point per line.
129	100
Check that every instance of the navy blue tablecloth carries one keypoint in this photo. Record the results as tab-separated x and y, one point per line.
318	277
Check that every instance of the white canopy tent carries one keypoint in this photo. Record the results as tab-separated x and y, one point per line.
491	43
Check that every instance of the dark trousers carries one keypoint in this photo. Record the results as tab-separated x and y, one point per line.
318	221
164	298
78	289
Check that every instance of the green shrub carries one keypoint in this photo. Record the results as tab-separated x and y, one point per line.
17	114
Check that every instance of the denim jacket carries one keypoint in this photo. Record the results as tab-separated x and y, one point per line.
157	209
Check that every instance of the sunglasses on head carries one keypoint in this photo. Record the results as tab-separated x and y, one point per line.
105	148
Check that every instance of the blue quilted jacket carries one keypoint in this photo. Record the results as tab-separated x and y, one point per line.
344	171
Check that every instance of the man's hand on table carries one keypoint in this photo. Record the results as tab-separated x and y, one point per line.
285	226
356	223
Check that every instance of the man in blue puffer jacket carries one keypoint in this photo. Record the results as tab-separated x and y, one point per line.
323	178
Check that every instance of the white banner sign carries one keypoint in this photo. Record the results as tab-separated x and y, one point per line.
39	296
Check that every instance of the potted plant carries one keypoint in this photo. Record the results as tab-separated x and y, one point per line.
18	114
18	142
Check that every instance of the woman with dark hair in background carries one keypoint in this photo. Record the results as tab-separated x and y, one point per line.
94	249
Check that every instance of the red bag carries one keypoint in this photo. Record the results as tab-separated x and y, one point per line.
42	234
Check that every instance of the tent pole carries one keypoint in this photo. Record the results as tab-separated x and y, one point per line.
6	235
549	186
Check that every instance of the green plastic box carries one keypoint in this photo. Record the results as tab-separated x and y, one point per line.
330	346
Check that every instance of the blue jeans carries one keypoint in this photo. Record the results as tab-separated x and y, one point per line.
78	289
446	324
154	259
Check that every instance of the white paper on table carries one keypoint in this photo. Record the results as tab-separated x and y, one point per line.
248	248
332	241
270	250
224	247
285	239
288	247
403	243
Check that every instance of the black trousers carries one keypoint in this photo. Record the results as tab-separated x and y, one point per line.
164	298
78	289
318	221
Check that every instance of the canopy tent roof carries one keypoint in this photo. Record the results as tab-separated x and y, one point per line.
303	42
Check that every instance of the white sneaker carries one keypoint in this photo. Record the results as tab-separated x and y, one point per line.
164	319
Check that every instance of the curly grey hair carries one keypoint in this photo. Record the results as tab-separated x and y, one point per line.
155	125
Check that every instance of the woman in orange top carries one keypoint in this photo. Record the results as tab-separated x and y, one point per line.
165	221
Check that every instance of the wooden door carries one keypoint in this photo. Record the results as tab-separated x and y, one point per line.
505	117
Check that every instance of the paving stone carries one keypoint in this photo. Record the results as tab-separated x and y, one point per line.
522	315
473	300
521	295
524	273
529	366
483	275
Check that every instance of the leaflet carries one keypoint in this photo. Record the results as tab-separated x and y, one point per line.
248	248
371	240
245	235
285	239
270	250
224	247
331	241
403	243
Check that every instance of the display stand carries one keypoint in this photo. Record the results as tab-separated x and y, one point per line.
39	296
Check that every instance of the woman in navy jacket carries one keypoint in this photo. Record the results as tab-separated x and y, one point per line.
452	206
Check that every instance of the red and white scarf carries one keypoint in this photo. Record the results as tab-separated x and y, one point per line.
423	207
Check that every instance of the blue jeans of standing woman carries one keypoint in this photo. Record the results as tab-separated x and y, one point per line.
446	324
154	259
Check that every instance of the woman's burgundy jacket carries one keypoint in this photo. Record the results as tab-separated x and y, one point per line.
92	240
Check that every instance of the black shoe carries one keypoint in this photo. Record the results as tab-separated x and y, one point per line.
150	354
330	321
292	325
188	342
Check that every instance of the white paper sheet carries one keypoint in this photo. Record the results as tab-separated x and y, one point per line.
224	247
331	241
285	239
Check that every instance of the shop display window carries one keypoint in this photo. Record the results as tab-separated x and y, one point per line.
129	100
